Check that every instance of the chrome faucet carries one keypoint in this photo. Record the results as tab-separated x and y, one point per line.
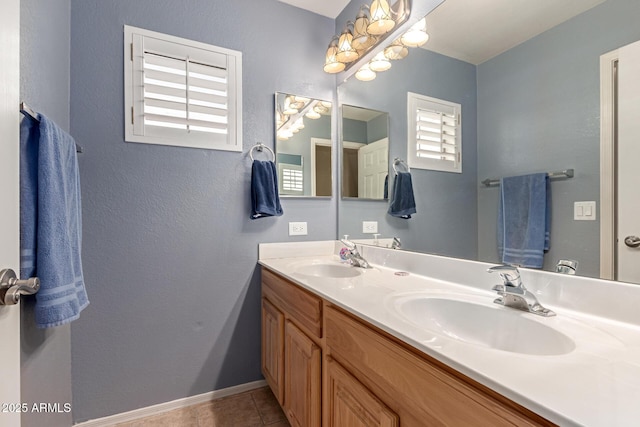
353	255
513	293
396	244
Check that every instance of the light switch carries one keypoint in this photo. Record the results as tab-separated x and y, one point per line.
584	211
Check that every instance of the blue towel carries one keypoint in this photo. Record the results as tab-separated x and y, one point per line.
524	219
265	200
51	221
402	202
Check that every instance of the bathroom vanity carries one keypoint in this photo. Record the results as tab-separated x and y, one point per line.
343	346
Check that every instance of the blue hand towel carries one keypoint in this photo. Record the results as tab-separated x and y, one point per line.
265	200
51	221
524	219
402	203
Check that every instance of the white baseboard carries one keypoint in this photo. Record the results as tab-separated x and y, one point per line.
170	406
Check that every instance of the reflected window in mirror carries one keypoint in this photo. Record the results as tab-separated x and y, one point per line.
303	145
365	152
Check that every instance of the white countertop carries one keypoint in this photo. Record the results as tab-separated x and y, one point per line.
596	384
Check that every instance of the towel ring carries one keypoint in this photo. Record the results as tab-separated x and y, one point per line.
260	146
399	161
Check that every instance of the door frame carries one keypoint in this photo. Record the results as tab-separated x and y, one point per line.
10	373
608	95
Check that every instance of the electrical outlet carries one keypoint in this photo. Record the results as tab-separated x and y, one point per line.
369	227
297	229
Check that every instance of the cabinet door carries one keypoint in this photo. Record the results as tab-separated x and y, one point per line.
273	348
351	404
302	378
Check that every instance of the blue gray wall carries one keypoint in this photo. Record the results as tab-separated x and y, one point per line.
169	251
438	194
44	85
539	110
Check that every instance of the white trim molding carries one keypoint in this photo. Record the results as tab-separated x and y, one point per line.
160	408
607	164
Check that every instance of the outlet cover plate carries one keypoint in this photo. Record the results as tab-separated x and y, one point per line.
297	229
369	227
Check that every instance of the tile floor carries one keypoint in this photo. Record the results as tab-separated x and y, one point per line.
255	408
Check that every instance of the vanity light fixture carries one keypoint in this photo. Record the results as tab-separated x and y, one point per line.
417	35
379	63
289	106
381	18
396	50
362	39
346	52
312	114
372	26
331	63
365	73
289	124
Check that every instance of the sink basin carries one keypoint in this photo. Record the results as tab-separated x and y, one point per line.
334	271
484	325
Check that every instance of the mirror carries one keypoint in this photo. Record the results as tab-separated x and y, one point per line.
365	152
533	106
303	146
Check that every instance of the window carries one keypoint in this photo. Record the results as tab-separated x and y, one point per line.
434	134
181	92
291	179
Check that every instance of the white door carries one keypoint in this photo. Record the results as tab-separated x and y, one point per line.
628	221
9	211
373	167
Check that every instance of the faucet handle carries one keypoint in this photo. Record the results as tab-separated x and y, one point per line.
510	274
349	244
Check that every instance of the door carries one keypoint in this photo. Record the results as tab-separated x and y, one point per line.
628	179
273	349
9	214
373	167
301	378
351	404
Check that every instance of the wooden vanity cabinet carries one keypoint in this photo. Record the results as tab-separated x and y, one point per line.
291	350
421	390
349	403
327	366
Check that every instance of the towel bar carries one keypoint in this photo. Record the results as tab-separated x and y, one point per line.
567	173
399	161
29	112
259	147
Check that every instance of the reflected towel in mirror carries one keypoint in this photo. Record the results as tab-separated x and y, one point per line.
524	219
402	203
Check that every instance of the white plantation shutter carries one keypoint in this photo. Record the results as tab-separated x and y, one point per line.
290	179
181	92
434	134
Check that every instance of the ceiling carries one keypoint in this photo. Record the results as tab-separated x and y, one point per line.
475	31
329	8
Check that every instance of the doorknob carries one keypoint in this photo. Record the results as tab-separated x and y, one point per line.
11	287
632	241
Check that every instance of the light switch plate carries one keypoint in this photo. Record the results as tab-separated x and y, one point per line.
584	211
369	227
297	229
